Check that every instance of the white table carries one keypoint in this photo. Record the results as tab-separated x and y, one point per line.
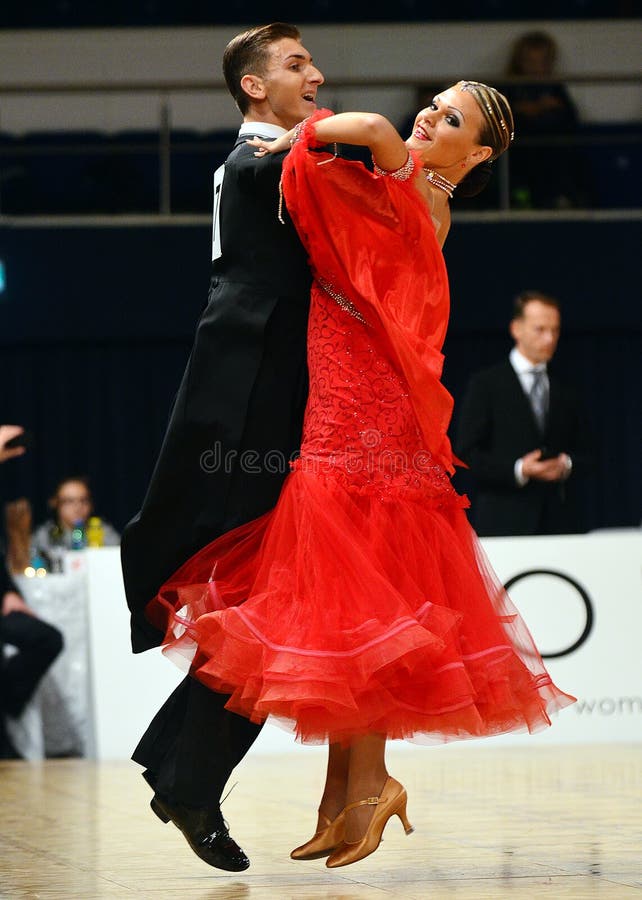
58	721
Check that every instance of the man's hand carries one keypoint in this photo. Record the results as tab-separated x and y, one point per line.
554	469
7	432
12	602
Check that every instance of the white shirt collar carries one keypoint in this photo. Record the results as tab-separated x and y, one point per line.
265	129
522	365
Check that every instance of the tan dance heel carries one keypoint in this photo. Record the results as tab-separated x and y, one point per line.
391	802
324	841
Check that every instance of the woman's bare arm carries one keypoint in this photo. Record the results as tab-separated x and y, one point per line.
362	129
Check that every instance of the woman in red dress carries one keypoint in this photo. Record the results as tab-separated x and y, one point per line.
362	608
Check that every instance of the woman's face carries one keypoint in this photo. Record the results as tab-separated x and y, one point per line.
446	132
72	503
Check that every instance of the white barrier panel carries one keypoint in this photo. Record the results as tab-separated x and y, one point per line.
127	689
580	595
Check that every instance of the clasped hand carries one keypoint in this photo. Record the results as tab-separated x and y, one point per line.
554	469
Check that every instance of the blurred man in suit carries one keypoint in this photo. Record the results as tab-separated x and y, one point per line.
524	433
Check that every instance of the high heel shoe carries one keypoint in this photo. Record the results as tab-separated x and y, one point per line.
324	841
392	801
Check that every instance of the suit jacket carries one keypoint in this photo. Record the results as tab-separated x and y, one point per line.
238	414
497	426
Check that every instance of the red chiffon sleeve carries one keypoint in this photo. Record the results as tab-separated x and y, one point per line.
372	239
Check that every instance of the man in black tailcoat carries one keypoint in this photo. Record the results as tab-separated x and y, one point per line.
524	433
234	427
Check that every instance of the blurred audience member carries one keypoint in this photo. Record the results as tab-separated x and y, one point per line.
541	176
72	505
524	433
35	643
540	105
35	646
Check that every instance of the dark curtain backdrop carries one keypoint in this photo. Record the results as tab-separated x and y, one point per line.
96	326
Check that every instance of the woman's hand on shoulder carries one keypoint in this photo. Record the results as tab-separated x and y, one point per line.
278	145
362	129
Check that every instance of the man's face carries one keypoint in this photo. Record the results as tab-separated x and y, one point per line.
537	332
290	83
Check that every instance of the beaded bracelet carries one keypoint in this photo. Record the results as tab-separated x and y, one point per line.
296	131
401	174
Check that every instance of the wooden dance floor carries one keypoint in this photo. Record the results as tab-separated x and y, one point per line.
490	822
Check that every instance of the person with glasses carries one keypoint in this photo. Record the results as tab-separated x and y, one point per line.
72	505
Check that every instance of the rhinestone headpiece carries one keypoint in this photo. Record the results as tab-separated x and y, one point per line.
488	100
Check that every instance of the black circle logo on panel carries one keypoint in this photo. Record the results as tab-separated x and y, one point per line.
584	596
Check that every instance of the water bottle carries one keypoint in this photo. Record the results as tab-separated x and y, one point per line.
78	536
95	532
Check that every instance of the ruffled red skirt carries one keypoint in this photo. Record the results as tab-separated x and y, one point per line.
340	613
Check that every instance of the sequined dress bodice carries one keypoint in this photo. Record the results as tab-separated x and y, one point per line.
360	427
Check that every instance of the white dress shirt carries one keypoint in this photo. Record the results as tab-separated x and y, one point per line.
525	371
264	129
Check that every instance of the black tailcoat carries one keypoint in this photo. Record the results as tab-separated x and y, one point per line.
238	414
236	423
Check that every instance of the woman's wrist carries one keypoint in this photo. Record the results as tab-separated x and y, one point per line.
307	130
295	133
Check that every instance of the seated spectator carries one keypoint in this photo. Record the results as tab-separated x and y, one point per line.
542	107
35	643
72	506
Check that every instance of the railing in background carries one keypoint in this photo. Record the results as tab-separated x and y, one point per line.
162	149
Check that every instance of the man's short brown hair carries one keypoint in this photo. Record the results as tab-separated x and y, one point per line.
522	300
248	54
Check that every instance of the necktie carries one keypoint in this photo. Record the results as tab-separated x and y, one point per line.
539	397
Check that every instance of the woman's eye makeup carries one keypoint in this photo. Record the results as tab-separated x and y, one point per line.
451	118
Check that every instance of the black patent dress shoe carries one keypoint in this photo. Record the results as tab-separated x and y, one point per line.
206	833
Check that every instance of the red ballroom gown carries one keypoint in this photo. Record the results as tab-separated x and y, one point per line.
363	602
